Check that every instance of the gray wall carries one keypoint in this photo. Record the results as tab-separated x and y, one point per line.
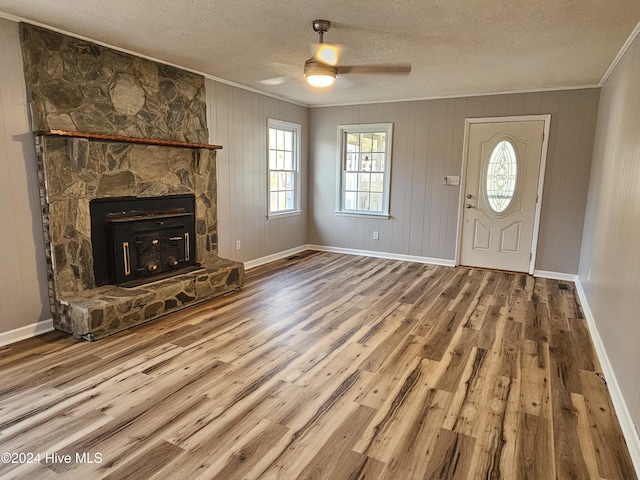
610	259
428	144
237	120
23	279
23	286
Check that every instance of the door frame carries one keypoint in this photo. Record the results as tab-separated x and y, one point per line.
543	162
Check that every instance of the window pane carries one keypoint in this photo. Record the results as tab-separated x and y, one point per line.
363	201
365	163
352	162
377	182
375	202
273	207
280	160
272	138
272	160
273	181
379	142
351	181
501	176
282	180
289	181
364	179
377	162
353	142
350	201
288	141
289	205
282	200
288	160
280	140
366	141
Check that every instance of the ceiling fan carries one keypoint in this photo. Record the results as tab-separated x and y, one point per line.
322	69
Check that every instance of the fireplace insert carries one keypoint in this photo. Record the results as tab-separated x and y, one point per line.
138	240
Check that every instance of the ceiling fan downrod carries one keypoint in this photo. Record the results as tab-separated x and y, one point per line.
321	27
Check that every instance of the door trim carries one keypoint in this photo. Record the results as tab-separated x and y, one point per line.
543	162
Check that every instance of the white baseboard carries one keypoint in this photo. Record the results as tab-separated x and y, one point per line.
565	277
276	256
619	404
347	251
23	333
387	255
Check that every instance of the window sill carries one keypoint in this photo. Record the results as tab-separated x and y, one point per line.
380	216
293	213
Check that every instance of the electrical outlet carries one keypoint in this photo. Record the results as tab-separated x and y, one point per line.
237	244
375	235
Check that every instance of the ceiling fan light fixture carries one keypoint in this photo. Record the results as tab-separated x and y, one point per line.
317	80
319	74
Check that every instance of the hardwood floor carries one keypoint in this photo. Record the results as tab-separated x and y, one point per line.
325	366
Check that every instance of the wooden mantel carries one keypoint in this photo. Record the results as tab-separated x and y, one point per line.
119	138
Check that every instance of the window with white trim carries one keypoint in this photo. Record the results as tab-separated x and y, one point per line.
284	168
365	169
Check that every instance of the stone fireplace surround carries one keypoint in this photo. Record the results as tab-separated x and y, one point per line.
145	142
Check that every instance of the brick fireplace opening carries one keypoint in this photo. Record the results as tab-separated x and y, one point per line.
110	127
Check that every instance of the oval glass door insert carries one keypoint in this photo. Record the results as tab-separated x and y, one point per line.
501	176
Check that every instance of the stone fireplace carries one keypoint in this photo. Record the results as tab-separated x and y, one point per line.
111	127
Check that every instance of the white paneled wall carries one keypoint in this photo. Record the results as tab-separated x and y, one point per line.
23	279
610	260
237	120
428	144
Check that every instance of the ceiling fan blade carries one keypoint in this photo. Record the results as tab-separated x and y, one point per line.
396	69
273	82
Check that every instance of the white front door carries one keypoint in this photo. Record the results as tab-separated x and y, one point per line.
500	194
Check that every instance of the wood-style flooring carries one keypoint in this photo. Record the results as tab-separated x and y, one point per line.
324	366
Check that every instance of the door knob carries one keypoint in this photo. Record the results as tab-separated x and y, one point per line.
468	205
469	195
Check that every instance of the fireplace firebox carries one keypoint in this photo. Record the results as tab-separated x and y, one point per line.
139	240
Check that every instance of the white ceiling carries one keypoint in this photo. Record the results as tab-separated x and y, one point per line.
456	48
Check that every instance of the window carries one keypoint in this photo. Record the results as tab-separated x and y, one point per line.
284	168
501	175
365	165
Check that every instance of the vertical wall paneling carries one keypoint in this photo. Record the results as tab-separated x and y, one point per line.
610	257
23	279
237	120
428	142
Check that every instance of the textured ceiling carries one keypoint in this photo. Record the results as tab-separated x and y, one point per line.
456	48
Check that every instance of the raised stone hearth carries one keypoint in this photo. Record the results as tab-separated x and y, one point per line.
131	128
95	313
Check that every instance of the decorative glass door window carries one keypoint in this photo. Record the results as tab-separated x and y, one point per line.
365	169
501	176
